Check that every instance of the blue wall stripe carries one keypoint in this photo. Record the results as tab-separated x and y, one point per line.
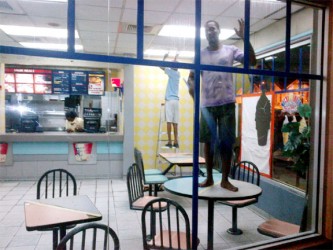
109	148
40	148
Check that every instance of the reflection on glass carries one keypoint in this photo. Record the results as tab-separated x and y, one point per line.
22	26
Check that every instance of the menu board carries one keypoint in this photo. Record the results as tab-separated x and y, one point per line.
79	84
61	82
38	81
45	81
96	83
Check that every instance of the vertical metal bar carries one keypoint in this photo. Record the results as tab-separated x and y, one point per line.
94	238
288	30
71	26
247	34
46	185
196	125
53	185
60	183
300	66
140	25
273	68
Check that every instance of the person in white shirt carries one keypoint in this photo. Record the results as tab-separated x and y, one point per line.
172	103
73	122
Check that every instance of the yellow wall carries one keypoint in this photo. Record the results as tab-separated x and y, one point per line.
149	90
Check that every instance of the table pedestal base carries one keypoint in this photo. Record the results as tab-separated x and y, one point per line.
234	231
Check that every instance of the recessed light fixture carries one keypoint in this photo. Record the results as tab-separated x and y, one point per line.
189	32
14	30
50	46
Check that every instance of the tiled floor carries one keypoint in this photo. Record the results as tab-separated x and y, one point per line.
111	199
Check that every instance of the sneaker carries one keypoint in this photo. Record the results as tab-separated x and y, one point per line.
176	145
169	145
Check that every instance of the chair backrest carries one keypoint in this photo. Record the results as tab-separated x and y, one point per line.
56	183
246	171
90	236
134	184
139	161
171	222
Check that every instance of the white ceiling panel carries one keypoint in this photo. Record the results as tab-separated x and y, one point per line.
161	5
8	19
87	25
44	9
93	35
217	7
104	3
263	23
181	19
155	17
49	22
186	7
129	16
100	47
263	9
97	13
237	10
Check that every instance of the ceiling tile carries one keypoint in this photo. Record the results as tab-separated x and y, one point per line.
97	13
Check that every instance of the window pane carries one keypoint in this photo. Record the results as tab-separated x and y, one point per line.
305	29
226	14
267	18
169	30
107	29
34	24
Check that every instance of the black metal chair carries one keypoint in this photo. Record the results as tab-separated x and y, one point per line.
172	225
150	179
56	183
90	236
243	171
136	197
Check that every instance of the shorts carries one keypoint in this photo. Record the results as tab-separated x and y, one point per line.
172	111
218	123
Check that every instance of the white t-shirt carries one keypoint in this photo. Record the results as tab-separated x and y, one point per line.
217	87
76	124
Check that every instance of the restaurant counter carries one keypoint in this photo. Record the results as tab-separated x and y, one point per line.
60	137
26	156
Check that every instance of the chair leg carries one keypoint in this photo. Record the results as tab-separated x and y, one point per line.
234	230
55	238
150	189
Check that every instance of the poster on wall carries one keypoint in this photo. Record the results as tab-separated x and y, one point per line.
3	152
61	82
79	83
96	83
82	153
256	131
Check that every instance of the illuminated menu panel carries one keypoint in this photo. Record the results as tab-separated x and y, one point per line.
61	82
96	83
79	83
44	81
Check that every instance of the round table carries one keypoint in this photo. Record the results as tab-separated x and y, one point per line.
183	187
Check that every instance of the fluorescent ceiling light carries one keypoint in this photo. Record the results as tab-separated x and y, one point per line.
35	31
189	32
50	46
172	54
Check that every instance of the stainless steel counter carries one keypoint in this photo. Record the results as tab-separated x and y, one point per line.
60	137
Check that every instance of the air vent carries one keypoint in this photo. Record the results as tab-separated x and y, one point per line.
132	28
